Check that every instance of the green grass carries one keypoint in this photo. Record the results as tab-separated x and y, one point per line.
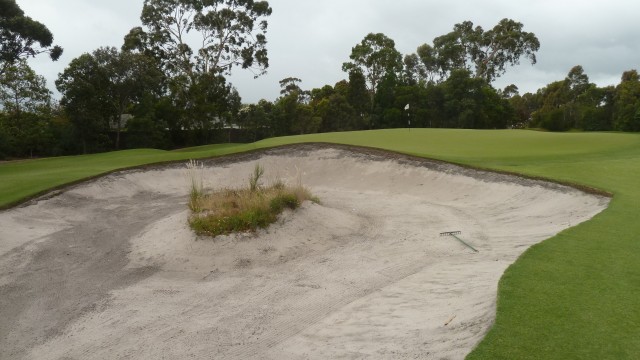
23	179
575	296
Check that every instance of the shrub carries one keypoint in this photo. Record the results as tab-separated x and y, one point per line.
236	210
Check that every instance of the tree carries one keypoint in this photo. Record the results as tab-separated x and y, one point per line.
320	94
421	67
577	81
375	58
523	107
551	114
510	91
597	108
413	72
485	53
337	114
25	101
22	90
428	63
471	103
82	87
627	102
232	33
99	88
357	95
571	103
254	118
293	113
291	86
22	37
576	84
129	77
290	116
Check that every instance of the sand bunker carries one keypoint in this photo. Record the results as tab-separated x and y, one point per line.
109	269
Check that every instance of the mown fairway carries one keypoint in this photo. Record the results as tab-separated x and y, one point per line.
575	296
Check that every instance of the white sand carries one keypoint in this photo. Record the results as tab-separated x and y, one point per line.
364	274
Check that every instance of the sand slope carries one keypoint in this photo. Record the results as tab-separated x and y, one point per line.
109	269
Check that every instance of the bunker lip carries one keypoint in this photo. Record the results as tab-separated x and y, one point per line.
109	267
253	153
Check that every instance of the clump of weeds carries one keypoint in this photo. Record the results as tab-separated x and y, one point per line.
243	209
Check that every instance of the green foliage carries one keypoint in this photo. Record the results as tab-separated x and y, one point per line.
255	118
27	120
552	120
207	103
375	57
231	33
22	90
100	87
249	220
627	102
292	114
291	86
145	132
22	37
337	114
357	94
574	103
485	53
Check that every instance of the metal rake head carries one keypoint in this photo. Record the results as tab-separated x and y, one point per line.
450	233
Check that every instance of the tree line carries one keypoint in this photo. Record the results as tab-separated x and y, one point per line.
167	85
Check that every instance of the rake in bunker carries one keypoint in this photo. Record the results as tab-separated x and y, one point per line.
455	235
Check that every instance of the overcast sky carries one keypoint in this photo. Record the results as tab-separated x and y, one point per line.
311	39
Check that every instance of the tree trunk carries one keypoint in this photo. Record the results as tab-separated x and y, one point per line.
118	137
119	124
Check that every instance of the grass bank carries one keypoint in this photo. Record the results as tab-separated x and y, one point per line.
575	296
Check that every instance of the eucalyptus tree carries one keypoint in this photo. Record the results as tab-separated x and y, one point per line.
577	84
291	87
487	54
228	34
293	113
199	42
22	37
375	57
